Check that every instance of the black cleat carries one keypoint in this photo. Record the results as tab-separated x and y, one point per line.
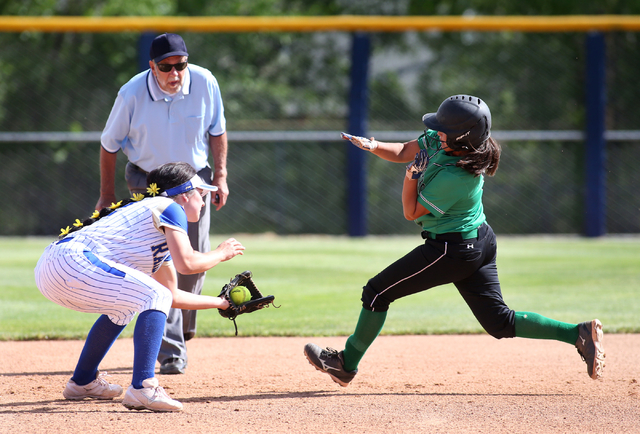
330	362
589	345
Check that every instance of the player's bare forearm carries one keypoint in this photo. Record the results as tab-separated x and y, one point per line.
187	300
397	152
107	178
411	208
394	152
219	146
188	261
226	250
166	275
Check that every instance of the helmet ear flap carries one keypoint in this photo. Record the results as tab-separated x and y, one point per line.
473	138
480	131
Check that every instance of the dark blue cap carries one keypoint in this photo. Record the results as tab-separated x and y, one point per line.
167	45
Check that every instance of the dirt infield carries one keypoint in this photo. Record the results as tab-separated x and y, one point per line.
408	384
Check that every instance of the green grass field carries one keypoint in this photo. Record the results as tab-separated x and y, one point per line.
317	281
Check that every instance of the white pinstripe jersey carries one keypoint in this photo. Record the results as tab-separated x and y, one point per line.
133	235
105	267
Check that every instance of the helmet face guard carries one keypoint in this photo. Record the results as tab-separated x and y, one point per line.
465	119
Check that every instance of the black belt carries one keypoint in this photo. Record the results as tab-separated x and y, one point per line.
451	236
133	166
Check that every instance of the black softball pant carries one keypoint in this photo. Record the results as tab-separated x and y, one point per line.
469	264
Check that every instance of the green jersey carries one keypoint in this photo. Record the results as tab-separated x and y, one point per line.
452	195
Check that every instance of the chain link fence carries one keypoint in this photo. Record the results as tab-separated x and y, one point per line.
276	84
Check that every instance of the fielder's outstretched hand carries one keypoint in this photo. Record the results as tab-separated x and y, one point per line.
229	249
361	142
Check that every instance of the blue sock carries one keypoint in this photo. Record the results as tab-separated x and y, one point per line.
147	338
100	339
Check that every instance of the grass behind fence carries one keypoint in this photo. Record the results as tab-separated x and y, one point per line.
317	281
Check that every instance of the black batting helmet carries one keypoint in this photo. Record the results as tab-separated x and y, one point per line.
465	119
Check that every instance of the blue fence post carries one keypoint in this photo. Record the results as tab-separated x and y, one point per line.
144	45
595	176
357	158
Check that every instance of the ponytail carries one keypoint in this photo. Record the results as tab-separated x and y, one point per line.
482	159
97	215
158	180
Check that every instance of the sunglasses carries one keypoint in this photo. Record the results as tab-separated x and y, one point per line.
167	67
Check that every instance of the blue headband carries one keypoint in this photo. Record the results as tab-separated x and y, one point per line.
192	184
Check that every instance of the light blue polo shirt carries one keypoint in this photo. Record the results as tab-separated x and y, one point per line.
153	128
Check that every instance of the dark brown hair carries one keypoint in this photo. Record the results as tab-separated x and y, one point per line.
482	159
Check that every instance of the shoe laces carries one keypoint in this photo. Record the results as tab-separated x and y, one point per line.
159	392
331	353
100	379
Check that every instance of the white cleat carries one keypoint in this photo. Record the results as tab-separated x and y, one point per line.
150	397
97	389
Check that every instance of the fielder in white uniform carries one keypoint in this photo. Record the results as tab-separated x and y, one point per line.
122	262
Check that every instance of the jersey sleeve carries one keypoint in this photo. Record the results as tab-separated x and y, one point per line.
116	130
172	215
217	126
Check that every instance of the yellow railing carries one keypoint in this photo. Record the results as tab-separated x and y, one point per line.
228	24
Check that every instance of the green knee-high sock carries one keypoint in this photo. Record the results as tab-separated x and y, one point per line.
535	326
367	330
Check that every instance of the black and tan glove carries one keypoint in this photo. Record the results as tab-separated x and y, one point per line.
257	301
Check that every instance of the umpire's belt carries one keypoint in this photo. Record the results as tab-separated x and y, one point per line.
139	169
451	236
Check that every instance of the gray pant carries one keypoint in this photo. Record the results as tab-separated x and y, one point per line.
181	324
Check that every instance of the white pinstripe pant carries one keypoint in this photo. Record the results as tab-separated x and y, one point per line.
70	275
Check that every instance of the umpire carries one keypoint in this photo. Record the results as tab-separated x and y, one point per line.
171	112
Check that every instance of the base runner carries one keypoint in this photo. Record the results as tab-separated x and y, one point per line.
442	193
